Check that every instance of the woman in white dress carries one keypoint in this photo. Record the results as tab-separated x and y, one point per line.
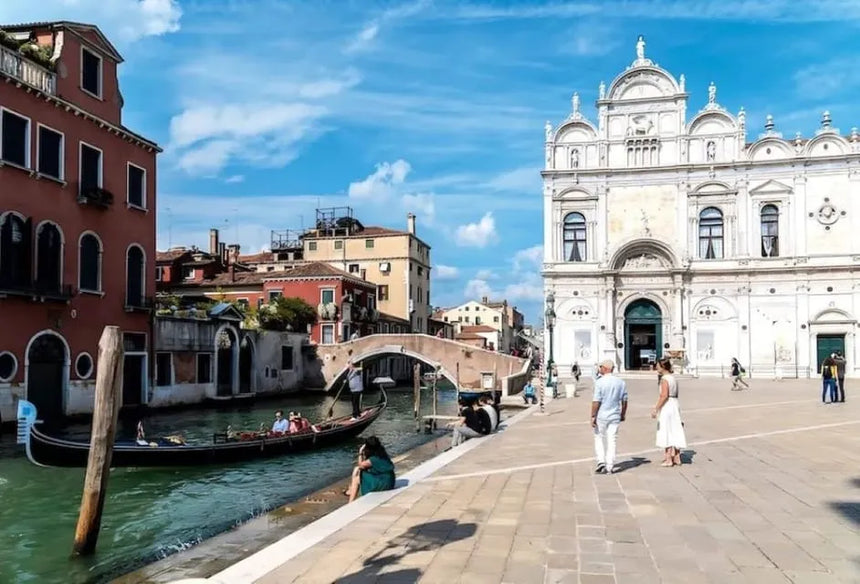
670	428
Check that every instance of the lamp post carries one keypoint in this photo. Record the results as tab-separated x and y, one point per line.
549	319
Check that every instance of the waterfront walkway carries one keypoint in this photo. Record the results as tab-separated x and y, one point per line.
771	493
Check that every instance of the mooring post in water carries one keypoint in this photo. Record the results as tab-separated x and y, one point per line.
416	390
457	382
105	412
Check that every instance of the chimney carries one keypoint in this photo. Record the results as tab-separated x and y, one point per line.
231	271
484	300
222	252
213	241
410	222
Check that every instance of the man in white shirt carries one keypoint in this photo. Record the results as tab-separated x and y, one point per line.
608	410
281	425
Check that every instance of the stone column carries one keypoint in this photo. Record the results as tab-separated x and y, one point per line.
799	235
745	219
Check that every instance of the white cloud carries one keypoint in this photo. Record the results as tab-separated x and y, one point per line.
382	183
529	258
590	39
478	234
122	21
522	180
363	39
236	178
421	204
486	274
208	137
441	272
476	289
827	79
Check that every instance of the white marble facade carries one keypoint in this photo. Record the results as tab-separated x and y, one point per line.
720	247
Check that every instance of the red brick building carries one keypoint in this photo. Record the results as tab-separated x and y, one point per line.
345	303
77	220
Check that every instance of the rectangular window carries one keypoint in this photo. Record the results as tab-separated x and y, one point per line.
338	244
420	295
410	291
243	303
50	147
15	145
477	320
495	319
188	273
353	268
136	186
204	368
287	357
159	273
327	332
273	294
91	73
420	271
382	292
134	342
90	168
327	296
368	243
163	369
312	246
371	301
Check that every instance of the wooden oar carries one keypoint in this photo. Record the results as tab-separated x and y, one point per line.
331	409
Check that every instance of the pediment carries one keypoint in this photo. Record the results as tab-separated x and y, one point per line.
769	187
713	188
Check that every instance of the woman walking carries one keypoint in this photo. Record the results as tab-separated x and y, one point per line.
670	428
738	375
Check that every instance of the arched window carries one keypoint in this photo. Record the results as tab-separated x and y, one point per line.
134	277
49	258
711	234
15	255
90	263
769	231
575	247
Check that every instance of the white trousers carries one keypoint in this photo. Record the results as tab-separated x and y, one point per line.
604	442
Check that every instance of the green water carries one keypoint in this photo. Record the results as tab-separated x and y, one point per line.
151	513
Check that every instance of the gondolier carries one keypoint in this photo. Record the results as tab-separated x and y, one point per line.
356	387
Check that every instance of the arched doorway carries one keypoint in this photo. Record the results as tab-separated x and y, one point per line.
643	334
227	349
46	375
246	365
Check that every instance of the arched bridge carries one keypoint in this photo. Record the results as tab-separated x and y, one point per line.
434	351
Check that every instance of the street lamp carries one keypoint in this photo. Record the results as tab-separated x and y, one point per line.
549	319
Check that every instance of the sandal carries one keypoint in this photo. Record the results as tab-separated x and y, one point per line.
667	463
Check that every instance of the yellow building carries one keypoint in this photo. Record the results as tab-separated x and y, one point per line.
493	315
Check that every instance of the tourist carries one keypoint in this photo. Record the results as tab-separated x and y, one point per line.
670	428
304	423
295	426
488	414
467	426
529	393
608	410
738	372
839	361
280	426
576	372
374	471
828	380
356	387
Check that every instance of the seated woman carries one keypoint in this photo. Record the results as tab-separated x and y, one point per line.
374	472
295	425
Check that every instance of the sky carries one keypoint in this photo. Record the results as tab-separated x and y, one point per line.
270	109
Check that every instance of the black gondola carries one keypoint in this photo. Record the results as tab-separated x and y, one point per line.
47	450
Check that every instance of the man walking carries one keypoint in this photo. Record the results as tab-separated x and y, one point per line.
839	361
356	387
608	410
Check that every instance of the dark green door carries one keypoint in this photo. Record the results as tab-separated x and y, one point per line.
643	334
827	345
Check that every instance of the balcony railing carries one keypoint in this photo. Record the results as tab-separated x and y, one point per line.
38	291
96	196
16	65
141	304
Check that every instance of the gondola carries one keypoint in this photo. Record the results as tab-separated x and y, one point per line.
226	448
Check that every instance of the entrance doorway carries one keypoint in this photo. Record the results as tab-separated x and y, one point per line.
826	345
643	335
227	346
46	372
133	374
246	365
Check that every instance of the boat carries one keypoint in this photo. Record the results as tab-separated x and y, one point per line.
383	382
225	448
471	395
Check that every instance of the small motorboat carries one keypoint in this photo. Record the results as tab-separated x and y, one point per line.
384	382
226	447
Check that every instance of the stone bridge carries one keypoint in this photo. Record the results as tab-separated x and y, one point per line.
510	372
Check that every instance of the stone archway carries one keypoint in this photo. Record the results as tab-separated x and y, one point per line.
246	365
47	374
226	362
643	334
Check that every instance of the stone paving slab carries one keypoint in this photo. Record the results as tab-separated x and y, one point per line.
771	493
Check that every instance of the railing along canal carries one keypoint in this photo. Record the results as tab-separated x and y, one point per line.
18	66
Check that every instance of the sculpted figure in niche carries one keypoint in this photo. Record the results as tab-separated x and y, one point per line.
640	48
711	151
574	158
640	126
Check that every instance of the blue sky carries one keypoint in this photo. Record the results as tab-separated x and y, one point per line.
269	108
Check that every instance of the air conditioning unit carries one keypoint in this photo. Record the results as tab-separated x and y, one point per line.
385	267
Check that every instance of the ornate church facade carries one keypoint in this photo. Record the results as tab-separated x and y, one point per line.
669	235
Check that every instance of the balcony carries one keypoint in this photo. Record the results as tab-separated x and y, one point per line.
37	291
141	304
17	66
95	196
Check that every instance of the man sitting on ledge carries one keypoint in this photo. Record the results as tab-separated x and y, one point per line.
470	424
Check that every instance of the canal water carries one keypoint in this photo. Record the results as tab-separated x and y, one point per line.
151	513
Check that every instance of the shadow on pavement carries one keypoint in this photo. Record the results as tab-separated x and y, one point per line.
420	538
630	464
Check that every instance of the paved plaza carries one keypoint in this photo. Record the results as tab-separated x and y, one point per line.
771	493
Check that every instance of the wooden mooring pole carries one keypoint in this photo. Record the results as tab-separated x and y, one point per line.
105	412
416	390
